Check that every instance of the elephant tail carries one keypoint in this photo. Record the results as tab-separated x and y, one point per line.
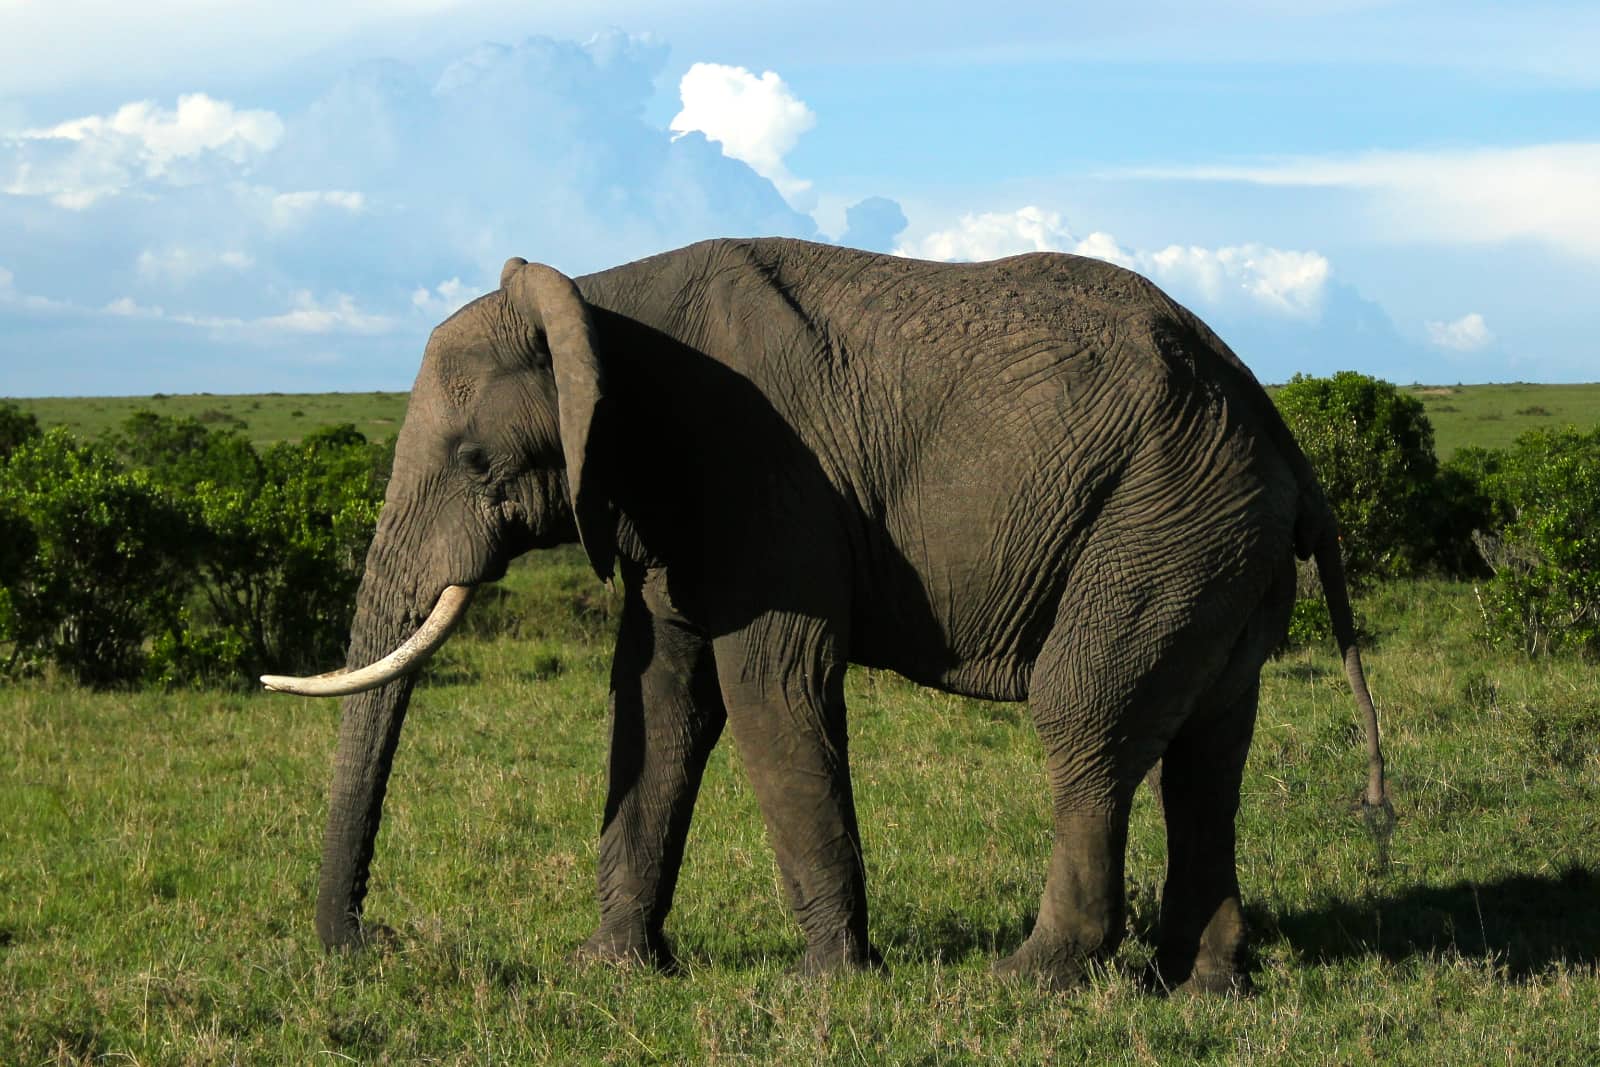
1330	569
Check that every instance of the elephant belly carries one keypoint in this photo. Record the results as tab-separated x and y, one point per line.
963	610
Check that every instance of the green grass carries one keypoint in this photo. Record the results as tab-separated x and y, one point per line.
1494	415
266	419
159	851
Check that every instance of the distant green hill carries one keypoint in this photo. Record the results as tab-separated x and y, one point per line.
1487	415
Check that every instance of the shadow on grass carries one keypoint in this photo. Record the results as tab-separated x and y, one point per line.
950	937
1301	671
1524	923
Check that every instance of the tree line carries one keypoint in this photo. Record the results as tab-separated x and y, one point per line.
168	552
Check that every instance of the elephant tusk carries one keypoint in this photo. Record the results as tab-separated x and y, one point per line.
416	650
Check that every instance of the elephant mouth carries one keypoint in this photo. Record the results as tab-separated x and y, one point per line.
447	612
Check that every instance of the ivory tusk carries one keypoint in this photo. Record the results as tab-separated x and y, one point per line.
433	632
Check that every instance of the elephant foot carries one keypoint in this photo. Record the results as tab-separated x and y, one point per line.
365	937
1198	981
1217	984
839	955
1054	966
621	948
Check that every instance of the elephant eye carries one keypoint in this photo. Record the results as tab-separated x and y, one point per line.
474	459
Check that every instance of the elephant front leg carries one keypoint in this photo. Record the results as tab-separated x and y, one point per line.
667	714
786	711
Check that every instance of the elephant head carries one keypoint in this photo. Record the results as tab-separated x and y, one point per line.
497	455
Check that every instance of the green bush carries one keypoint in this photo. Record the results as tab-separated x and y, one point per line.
17	548
176	553
16	427
107	566
1372	449
1541	499
181	453
281	540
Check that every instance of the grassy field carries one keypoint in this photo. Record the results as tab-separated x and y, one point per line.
159	851
266	418
1491	415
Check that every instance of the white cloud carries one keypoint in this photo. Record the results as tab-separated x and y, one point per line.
1466	334
288	209
308	315
757	120
80	161
1250	277
1276	280
341	316
1548	193
199	220
198	124
443	300
12	297
128	307
177	264
993	234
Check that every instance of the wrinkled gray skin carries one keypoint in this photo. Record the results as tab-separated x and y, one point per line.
1034	479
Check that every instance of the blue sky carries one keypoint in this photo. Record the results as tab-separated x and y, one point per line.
288	196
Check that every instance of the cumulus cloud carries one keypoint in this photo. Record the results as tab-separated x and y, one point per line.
1548	193
352	224
1280	309
1280	281
993	234
873	224
1250	276
1466	334
79	161
443	300
757	120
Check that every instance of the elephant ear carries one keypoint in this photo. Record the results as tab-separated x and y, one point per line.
549	301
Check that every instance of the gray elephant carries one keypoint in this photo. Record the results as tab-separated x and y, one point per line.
1033	479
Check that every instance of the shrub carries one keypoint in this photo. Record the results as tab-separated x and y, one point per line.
280	553
1542	540
181	453
107	565
17	547
16	427
206	562
1372	448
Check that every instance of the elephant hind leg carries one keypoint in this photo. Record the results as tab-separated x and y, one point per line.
1202	939
1104	714
1201	945
1131	658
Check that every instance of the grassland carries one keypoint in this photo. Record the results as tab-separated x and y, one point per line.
159	851
1489	415
266	418
1493	415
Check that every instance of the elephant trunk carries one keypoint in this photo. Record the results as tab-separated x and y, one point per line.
368	734
367	738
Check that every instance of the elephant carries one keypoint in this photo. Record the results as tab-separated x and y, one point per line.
1033	479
